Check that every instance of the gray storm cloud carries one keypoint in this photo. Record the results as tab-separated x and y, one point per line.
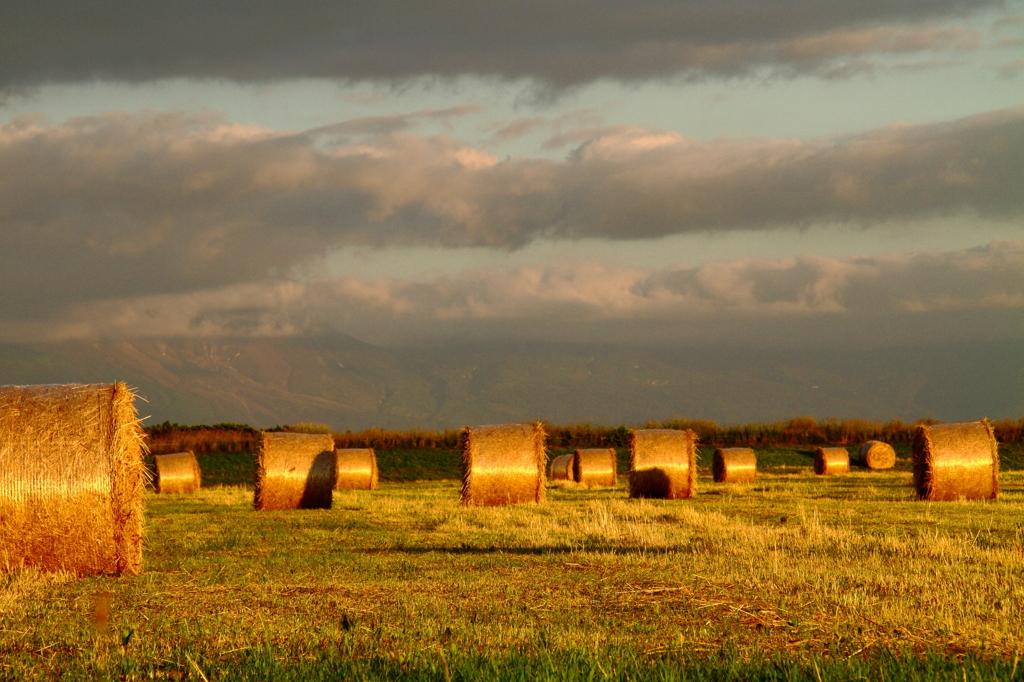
882	297
168	203
555	43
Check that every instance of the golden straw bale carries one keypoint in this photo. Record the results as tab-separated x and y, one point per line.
177	473
831	461
595	467
503	464
956	461
356	469
663	464
734	465
876	455
561	468
72	478
294	471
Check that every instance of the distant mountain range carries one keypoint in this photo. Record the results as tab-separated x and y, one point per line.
352	385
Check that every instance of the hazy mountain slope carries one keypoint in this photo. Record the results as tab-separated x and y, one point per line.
349	384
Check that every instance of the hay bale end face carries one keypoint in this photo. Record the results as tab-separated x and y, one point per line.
355	469
72	478
876	455
177	473
956	461
503	464
734	465
663	464
831	461
595	467
561	468
294	471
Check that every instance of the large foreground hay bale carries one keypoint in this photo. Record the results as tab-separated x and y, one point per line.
876	455
72	478
177	473
294	471
561	468
831	461
356	469
734	465
663	464
956	461
595	467
503	464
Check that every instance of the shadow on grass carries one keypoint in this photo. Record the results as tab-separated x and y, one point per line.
693	547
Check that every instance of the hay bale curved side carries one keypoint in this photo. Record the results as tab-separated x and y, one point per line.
734	465
595	467
663	463
503	464
956	461
355	469
177	473
831	461
72	478
875	454
294	471
561	468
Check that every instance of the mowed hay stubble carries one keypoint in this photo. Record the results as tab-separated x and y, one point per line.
177	472
663	464
294	471
956	461
734	465
595	467
72	479
503	464
831	461
355	469
876	455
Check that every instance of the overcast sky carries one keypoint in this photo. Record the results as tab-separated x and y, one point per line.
692	171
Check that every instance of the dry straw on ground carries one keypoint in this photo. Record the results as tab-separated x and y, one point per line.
956	461
72	478
561	468
294	471
663	463
876	455
734	465
356	469
831	461
595	467
177	473
503	464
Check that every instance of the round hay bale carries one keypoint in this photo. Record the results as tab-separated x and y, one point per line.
177	473
561	468
503	464
876	455
595	467
956	461
356	469
831	461
734	465
294	471
663	464
72	478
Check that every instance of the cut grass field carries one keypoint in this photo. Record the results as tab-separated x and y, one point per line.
791	577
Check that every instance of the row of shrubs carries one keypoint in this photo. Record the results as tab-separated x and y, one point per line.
231	437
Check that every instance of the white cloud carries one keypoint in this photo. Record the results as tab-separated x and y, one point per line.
557	302
156	204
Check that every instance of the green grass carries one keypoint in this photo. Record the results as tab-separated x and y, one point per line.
791	577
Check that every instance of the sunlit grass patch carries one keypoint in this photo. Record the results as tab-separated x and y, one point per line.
405	580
